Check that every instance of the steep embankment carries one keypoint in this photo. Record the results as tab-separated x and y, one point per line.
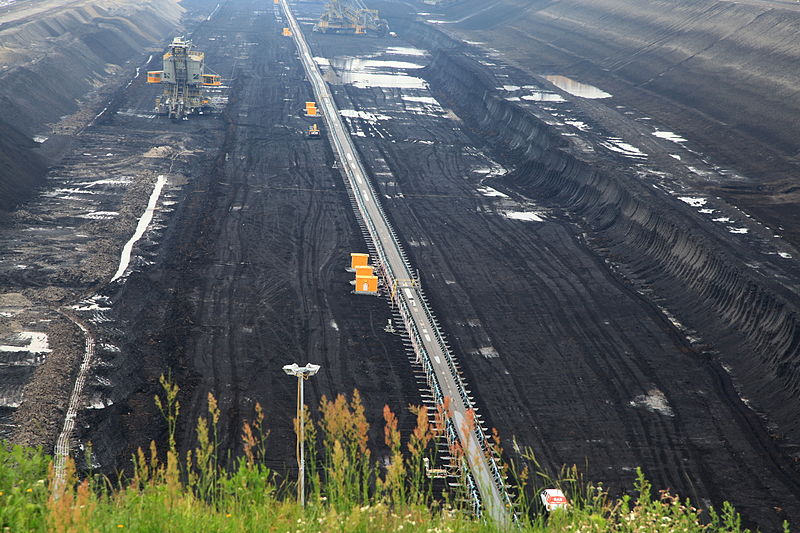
721	73
752	321
20	167
55	58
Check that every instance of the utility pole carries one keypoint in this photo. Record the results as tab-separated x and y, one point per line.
302	373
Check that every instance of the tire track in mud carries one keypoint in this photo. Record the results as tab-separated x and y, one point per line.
63	443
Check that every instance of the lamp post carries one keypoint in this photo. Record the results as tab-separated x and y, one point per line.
302	373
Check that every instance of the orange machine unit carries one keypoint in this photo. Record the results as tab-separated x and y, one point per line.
311	109
366	284
364	271
358	259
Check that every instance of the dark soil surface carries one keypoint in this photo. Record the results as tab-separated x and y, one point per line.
610	300
250	275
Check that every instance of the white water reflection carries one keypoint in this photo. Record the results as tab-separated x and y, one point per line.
364	73
405	51
670	136
34	342
543	96
576	88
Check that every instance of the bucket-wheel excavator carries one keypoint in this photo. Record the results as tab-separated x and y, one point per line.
183	77
350	16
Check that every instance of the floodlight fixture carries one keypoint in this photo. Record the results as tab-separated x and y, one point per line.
302	373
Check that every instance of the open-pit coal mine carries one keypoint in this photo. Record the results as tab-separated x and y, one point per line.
597	205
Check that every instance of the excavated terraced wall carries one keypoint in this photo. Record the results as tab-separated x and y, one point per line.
56	58
733	61
750	321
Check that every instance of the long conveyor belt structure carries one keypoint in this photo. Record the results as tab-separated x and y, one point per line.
485	484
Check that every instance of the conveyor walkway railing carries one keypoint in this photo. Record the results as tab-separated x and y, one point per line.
484	481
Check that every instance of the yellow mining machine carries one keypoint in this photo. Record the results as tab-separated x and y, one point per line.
350	16
183	78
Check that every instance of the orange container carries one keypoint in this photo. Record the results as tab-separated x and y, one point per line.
357	260
364	271
154	76
366	284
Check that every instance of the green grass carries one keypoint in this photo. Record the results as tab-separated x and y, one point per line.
348	491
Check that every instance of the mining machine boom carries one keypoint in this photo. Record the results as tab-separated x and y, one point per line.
350	16
183	77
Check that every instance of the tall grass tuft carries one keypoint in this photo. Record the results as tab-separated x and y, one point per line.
348	489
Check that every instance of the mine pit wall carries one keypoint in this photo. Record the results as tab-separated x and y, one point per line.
754	327
57	60
710	53
720	71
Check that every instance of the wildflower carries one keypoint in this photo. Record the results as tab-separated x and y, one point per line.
1	492
120	525
227	515
29	490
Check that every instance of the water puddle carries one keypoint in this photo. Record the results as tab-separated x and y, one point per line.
372	118
491	192
618	145
576	88
430	100
525	216
577	124
144	221
670	136
366	73
693	201
543	96
405	51
30	341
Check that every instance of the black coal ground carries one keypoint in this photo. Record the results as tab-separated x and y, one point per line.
587	368
251	273
248	275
